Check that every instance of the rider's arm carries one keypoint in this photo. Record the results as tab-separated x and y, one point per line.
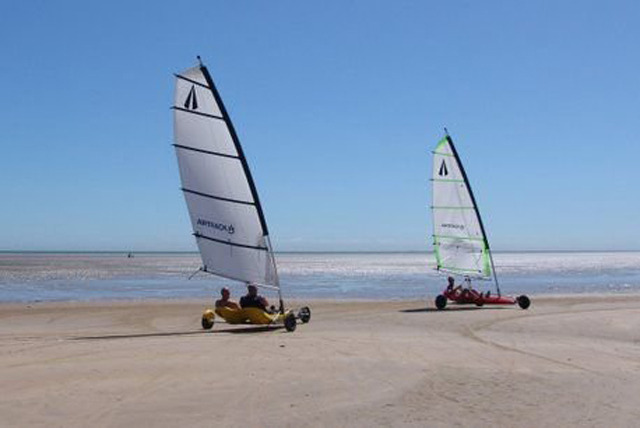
264	302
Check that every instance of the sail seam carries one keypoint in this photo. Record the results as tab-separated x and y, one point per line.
443	154
191	81
233	244
219	198
466	238
212	116
208	152
453	269
448	180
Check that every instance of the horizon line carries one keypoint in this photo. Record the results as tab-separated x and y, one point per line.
311	251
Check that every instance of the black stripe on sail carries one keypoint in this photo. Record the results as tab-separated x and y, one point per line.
212	116
191	81
218	198
208	152
233	244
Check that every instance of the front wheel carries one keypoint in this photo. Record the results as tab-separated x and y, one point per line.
290	323
304	314
523	301
207	323
441	302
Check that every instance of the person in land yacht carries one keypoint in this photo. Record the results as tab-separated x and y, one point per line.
253	300
451	287
462	292
224	301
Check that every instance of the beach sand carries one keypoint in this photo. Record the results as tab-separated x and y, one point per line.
567	361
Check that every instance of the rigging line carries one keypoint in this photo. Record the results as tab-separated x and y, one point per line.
213	272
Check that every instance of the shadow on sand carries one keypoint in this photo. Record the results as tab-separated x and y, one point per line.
236	330
454	308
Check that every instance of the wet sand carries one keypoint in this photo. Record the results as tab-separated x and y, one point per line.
567	361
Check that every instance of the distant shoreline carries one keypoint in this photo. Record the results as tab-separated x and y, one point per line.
296	301
124	252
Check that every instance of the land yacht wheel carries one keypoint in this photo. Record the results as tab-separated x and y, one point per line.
304	314
207	319
441	301
207	323
523	301
290	323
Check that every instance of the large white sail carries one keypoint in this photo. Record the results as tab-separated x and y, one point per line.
223	203
459	241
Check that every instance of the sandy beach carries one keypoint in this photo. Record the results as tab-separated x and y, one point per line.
568	361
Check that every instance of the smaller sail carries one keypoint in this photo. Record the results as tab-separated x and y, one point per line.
459	241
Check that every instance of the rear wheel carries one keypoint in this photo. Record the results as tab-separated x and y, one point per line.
304	314
523	301
290	322
441	301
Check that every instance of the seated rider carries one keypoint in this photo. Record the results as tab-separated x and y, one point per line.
469	293
252	299
451	287
224	300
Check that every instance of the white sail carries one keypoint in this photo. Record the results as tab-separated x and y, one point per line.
459	242
223	203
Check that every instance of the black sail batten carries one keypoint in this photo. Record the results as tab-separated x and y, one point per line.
195	82
231	243
218	198
475	207
212	116
238	146
207	152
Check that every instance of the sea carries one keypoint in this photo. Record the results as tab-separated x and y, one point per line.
39	277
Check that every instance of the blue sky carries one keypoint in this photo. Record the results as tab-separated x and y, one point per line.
338	105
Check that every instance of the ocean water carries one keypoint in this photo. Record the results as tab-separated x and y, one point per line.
27	277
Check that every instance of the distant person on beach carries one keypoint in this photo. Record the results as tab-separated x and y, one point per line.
253	300
224	300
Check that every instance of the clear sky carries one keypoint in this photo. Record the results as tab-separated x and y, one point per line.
337	105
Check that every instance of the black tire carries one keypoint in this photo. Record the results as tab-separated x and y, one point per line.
523	301
207	324
304	314
441	302
290	323
479	303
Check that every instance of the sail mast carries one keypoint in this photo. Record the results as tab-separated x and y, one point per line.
475	206
236	142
